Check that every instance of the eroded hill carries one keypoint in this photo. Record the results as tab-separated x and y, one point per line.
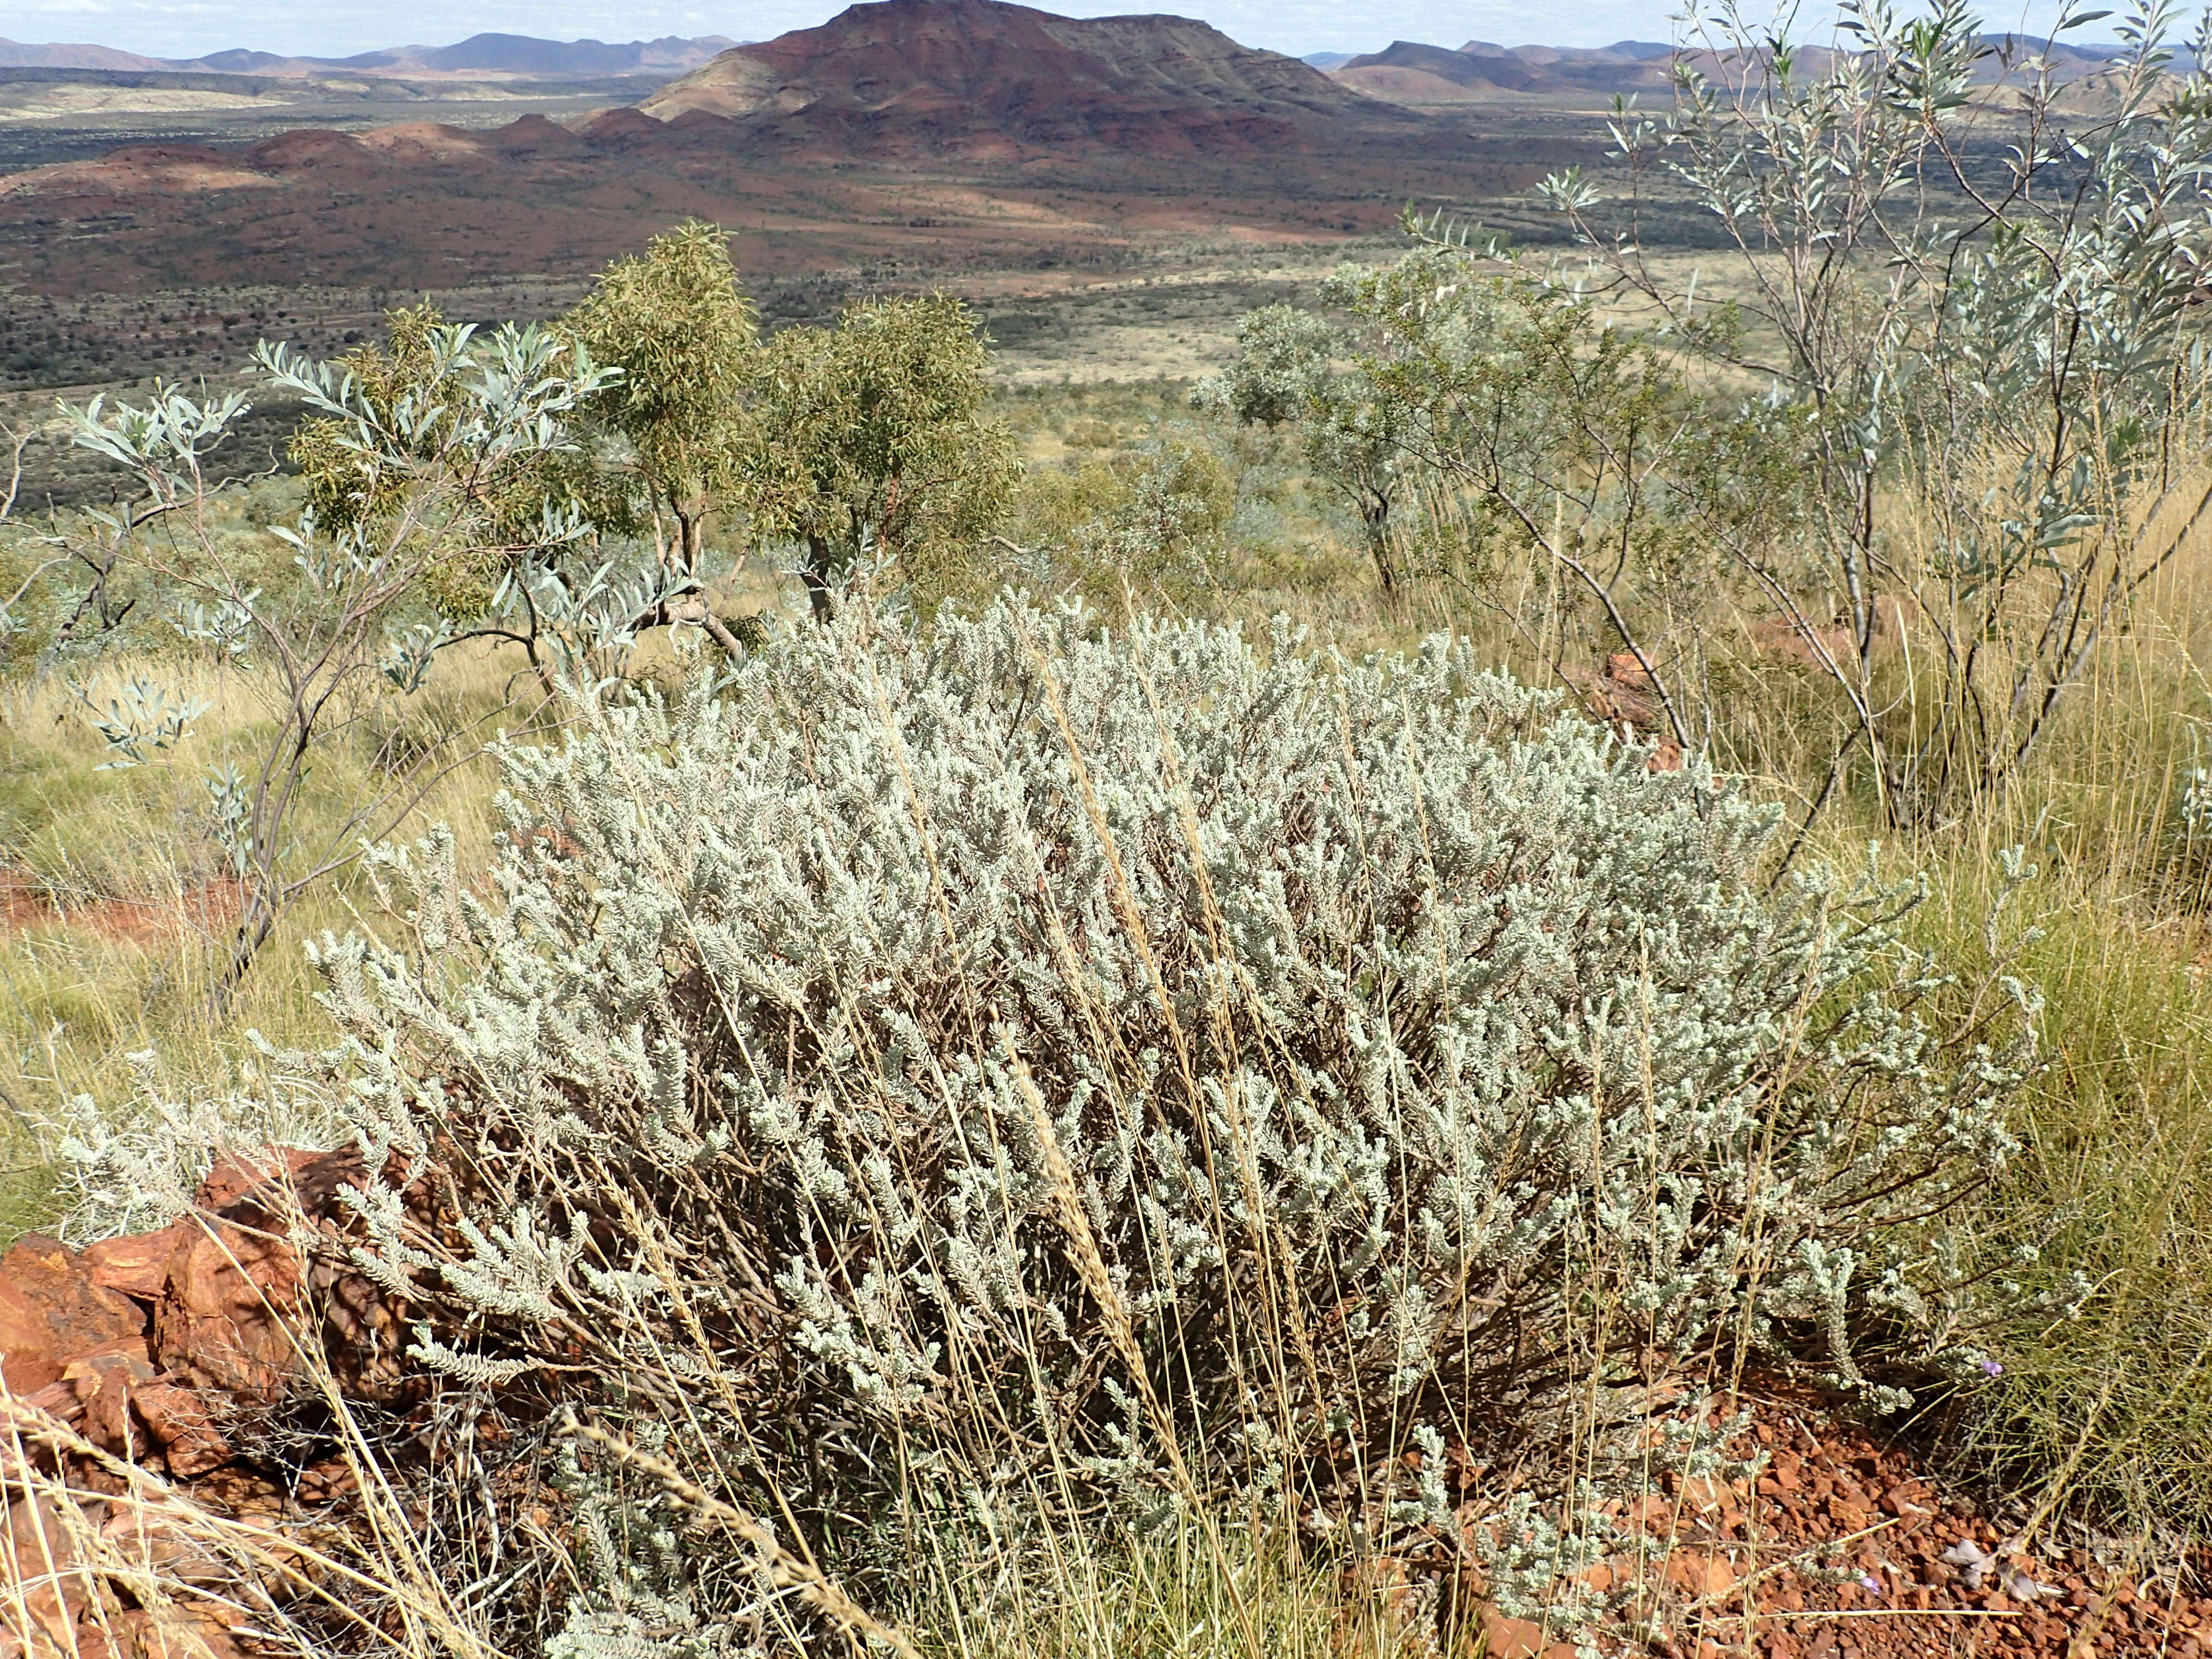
940	133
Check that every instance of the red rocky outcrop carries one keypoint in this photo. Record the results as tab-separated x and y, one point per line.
144	1349
156	1353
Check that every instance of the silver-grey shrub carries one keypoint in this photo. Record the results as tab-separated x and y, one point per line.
935	1068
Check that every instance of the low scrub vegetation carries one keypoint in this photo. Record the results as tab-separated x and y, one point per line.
1540	840
927	1088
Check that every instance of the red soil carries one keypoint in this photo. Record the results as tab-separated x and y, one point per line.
209	909
1846	1548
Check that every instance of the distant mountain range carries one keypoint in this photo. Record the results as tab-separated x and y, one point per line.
1410	73
479	57
952	126
1406	72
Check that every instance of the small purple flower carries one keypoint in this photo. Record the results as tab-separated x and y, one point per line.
1990	1368
1871	1582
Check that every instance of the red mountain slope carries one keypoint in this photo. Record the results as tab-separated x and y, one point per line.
949	132
985	76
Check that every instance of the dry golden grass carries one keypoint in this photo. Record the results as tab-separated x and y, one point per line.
110	923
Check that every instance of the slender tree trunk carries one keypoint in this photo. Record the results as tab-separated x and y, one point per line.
1375	516
256	922
816	574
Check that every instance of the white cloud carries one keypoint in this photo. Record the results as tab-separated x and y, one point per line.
35	9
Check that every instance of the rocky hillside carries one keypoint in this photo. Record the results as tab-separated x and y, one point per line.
17	54
1409	72
982	77
951	132
1428	77
491	56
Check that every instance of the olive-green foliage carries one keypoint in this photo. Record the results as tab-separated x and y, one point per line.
871	437
1562	430
878	441
1351	420
677	323
1547	451
499	503
1149	523
1508	404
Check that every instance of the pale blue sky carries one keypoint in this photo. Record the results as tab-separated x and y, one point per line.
184	29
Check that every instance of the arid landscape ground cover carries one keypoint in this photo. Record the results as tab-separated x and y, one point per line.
2047	1494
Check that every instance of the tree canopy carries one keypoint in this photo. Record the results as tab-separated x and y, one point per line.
1352	421
877	439
677	324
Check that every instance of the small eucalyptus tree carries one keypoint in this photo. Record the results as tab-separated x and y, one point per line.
1556	433
397	413
1298	368
678	325
1972	278
875	440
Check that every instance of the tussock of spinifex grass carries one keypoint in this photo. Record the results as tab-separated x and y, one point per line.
1180	1593
118	905
2109	1206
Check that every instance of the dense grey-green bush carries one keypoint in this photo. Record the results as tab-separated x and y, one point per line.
975	1070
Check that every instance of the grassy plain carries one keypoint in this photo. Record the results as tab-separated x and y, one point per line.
49	115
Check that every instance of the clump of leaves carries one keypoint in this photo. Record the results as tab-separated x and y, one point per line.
677	324
411	391
878	444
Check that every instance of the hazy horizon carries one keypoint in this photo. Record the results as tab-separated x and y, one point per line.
335	28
